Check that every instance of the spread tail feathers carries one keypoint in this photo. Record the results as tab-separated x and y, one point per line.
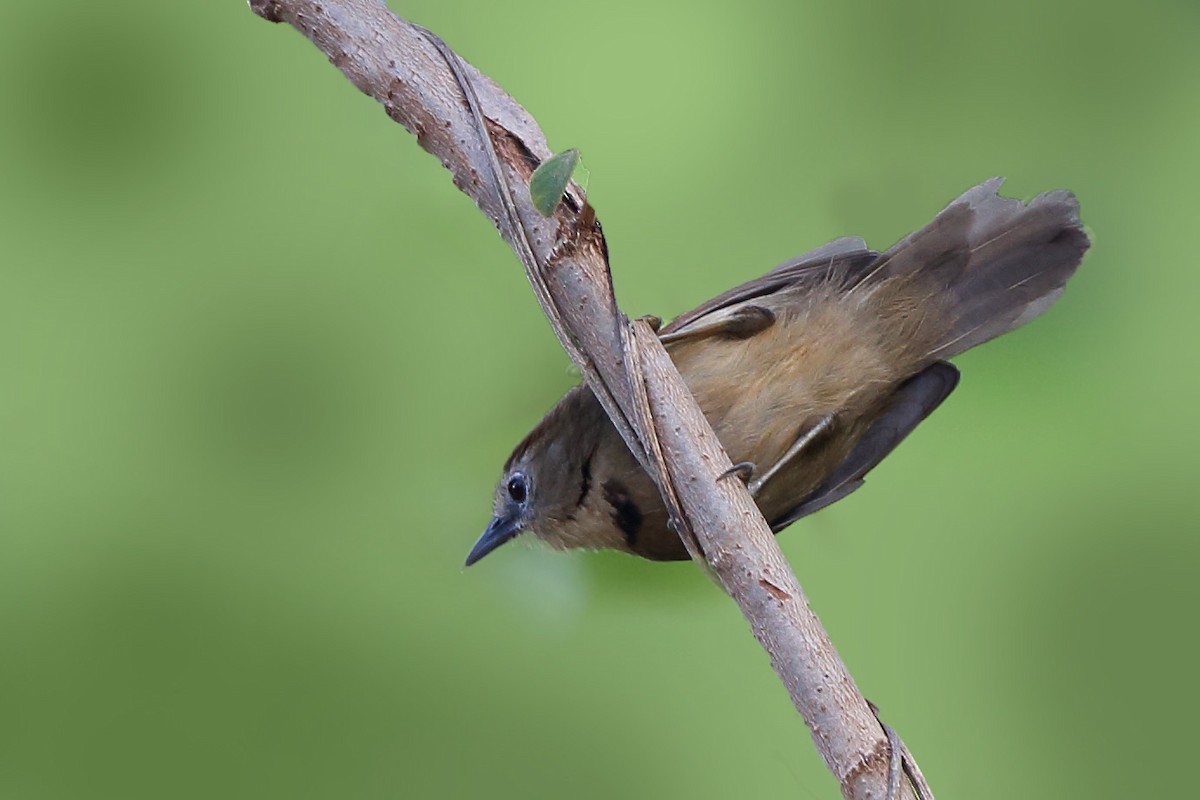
1002	261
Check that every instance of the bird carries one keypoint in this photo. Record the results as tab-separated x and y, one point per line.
809	375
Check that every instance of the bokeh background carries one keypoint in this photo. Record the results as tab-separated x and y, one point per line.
260	364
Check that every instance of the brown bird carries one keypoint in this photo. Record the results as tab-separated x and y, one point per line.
809	375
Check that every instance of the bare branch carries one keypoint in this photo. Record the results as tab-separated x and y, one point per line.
491	146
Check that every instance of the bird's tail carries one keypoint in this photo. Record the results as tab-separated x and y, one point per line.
1000	262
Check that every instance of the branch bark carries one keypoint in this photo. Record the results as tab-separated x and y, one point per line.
491	146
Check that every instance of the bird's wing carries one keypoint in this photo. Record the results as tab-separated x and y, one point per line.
843	259
909	405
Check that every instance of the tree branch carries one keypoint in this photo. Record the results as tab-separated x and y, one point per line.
491	146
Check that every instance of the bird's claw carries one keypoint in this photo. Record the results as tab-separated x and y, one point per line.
743	469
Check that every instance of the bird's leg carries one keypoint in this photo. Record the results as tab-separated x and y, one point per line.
804	440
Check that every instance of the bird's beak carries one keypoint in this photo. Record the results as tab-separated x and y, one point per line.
500	530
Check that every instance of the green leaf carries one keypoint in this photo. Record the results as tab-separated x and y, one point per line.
549	180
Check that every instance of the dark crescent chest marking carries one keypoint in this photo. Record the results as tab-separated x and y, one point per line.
626	515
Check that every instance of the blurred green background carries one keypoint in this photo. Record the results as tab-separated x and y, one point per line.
260	364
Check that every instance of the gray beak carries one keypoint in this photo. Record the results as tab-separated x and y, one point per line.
499	531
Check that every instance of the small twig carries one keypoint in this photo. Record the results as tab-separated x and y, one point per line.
518	234
900	759
920	785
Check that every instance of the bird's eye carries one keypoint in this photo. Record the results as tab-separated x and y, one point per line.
517	488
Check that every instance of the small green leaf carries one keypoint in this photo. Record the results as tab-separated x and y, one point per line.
549	180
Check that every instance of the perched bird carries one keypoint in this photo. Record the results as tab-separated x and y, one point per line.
809	375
